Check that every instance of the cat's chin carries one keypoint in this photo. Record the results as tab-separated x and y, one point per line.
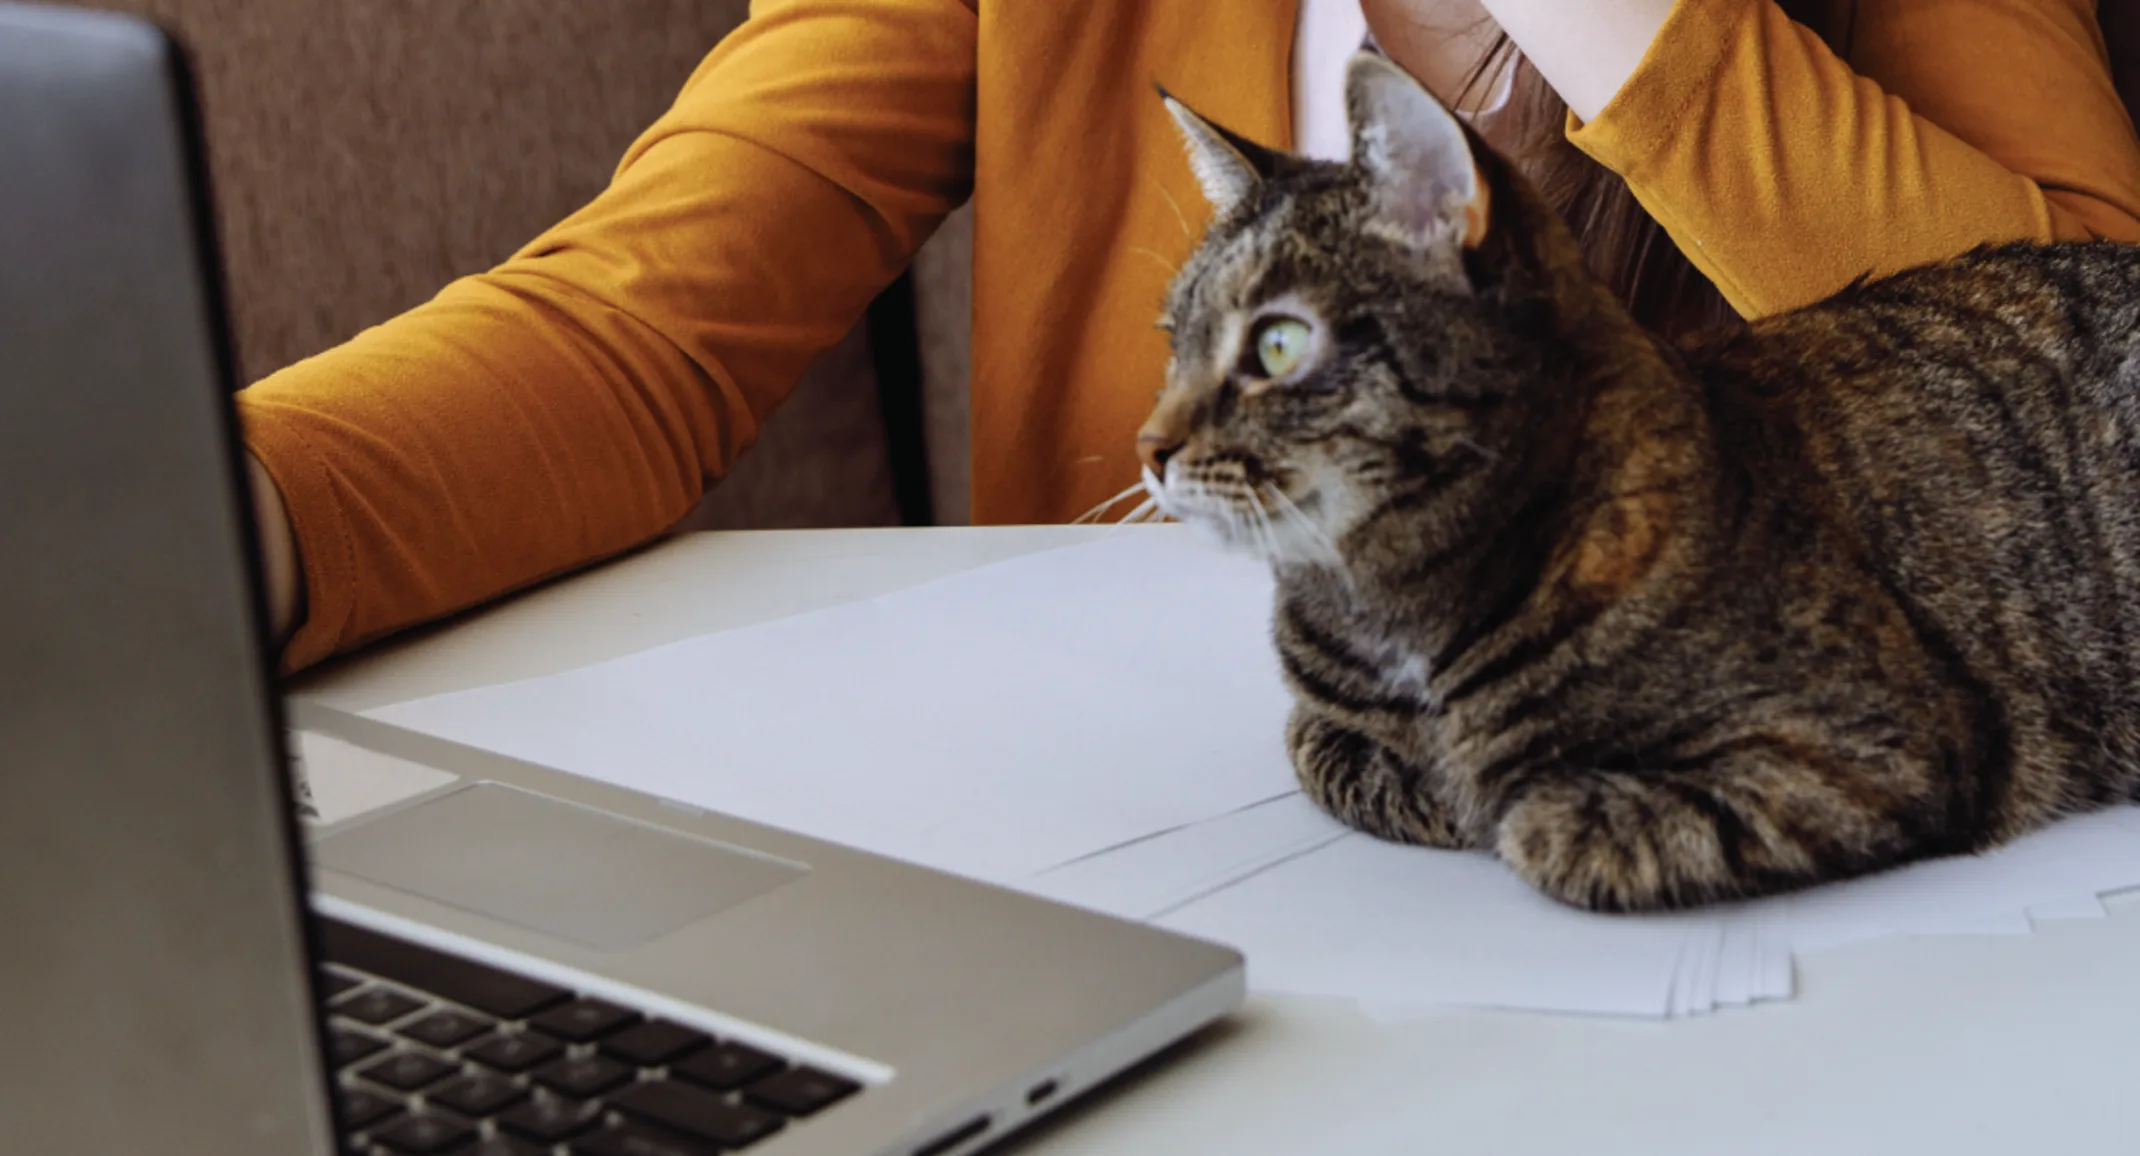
1285	533
1226	536
1275	544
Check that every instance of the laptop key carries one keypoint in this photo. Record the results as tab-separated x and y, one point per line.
799	1091
726	1067
361	1107
697	1113
654	1043
463	981
583	1020
515	1053
583	1076
424	1135
634	1139
445	1028
375	1005
348	1045
478	1094
549	1119
407	1071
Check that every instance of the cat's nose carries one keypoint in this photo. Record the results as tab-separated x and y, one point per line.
1153	449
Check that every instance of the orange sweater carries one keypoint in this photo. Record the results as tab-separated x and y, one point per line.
576	400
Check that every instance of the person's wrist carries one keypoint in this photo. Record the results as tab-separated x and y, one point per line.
1585	51
279	568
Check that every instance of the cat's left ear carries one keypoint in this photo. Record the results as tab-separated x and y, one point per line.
1415	152
1230	167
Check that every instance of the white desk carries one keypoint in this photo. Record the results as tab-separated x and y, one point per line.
1950	1045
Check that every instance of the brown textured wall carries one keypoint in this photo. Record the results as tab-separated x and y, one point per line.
365	152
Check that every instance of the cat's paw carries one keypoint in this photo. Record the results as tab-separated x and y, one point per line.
1366	786
1590	842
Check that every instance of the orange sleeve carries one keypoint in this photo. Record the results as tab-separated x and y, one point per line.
574	401
1784	172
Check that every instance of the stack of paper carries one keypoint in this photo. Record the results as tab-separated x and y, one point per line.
1409	931
1103	724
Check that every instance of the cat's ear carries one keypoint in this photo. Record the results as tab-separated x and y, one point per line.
1228	166
1414	151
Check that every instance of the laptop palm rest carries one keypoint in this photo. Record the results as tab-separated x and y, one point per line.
572	872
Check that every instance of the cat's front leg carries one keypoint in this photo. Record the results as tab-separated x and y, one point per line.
1766	813
1364	784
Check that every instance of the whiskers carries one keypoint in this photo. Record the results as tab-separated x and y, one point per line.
1267	539
1255	516
1175	205
1316	543
1100	511
1259	517
1146	511
1155	255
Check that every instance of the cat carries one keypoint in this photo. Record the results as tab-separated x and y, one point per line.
1659	625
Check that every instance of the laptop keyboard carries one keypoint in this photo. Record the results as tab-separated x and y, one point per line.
436	1055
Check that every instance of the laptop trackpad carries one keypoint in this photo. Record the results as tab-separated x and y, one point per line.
568	871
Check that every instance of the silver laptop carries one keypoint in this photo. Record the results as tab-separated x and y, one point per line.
517	962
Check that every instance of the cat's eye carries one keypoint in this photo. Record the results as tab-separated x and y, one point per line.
1281	344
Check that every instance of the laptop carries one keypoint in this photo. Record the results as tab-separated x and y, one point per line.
514	962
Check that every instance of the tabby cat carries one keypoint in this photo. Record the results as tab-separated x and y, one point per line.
1659	625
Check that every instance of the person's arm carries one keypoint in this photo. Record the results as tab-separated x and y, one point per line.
573	402
1783	173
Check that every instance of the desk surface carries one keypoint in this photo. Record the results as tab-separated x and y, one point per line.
1989	1044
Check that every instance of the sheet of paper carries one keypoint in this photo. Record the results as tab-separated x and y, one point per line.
1398	925
1103	724
1972	894
1411	932
1168	870
996	723
1775	970
2076	907
1701	994
1737	972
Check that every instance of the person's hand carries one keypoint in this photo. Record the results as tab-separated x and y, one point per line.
1585	50
278	550
1441	43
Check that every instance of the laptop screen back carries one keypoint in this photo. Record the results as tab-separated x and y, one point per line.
151	947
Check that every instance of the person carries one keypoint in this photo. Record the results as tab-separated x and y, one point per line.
575	401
